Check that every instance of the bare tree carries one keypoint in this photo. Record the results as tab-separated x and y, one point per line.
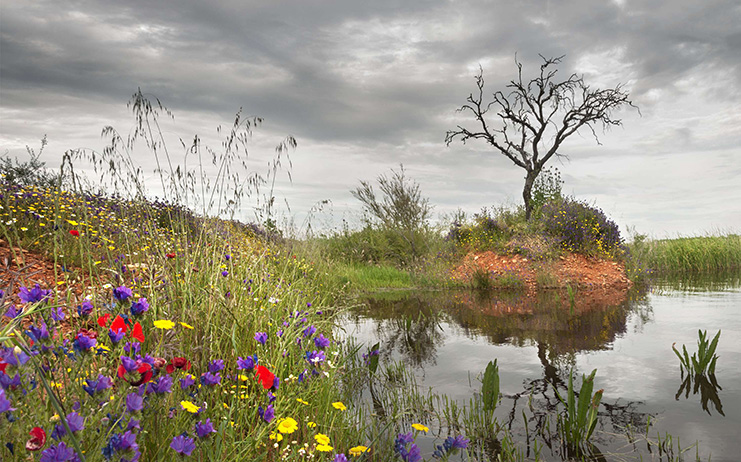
530	122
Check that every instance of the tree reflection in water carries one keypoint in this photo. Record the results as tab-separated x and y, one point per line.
410	329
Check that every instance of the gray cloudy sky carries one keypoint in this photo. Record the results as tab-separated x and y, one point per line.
366	85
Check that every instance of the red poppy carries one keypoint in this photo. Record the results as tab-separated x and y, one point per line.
38	439
3	366
74	232
170	255
265	376
137	333
119	324
178	363
103	320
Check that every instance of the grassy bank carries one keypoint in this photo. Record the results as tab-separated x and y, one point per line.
685	255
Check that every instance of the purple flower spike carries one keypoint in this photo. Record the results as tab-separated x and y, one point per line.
140	307
204	429
216	366
37	294
13	311
57	314
187	381
58	453
134	403
210	379
340	458
261	337
267	414
247	363
4	403
85	309
122	293
183	445
321	342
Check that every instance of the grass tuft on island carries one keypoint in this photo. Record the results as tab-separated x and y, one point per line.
686	255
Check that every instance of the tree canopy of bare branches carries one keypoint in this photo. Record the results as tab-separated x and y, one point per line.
530	120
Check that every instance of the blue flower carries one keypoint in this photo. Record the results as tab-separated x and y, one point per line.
261	337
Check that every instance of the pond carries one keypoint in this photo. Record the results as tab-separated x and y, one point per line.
448	338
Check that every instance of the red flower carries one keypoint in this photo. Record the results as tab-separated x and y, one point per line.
118	324
38	439
170	255
178	363
74	232
103	320
137	333
265	376
3	366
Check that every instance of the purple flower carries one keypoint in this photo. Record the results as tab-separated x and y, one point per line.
85	309
34	295
57	314
122	293
4	403
183	445
95	386
459	442
321	342
83	343
209	379
38	334
134	403
132	348
116	336
203	429
10	357
316	357
225	273
227	257
340	458
6	382
138	308
266	414
247	363
163	385
261	337
309	331
58	453
216	366
187	381
13	311
129	364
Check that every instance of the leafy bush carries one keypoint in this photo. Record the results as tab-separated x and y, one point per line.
547	188
581	228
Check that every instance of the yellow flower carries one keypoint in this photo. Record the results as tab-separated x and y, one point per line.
311	424
357	450
339	405
164	324
187	326
190	407
324	447
276	436
287	425
321	438
302	401
420	427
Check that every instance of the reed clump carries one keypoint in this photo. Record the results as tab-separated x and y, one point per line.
686	255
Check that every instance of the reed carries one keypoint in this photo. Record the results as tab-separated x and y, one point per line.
686	255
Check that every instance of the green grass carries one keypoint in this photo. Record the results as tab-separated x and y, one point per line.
685	255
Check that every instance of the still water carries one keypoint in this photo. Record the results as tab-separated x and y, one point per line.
447	338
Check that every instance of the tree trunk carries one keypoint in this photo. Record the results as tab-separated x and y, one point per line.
527	192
